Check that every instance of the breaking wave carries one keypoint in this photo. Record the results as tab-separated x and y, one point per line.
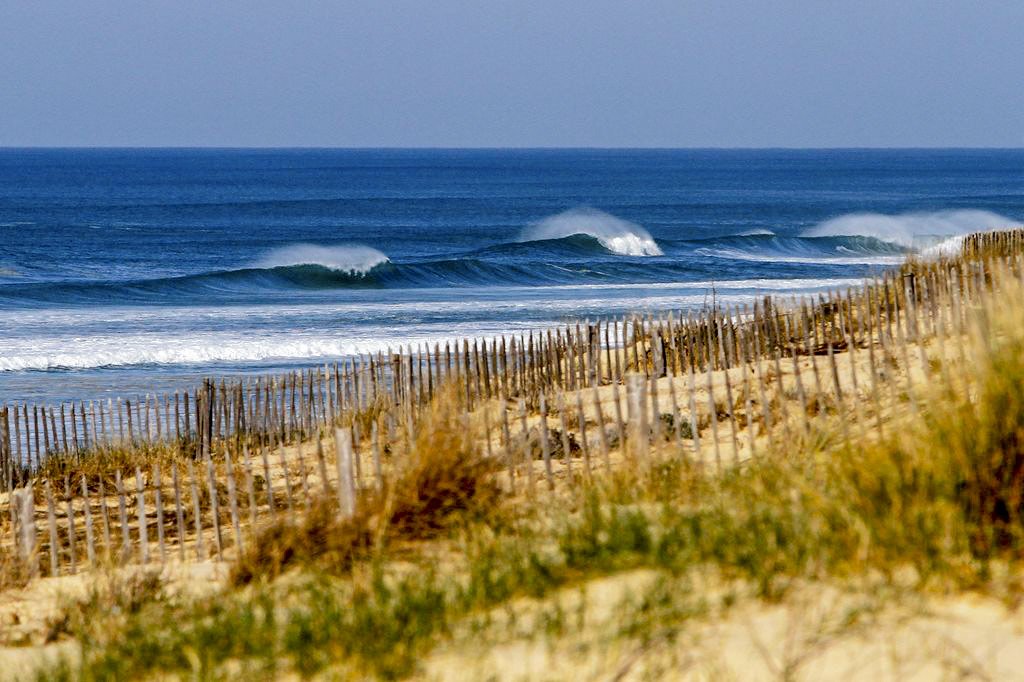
618	236
354	259
912	230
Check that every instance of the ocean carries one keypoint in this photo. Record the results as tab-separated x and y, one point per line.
127	271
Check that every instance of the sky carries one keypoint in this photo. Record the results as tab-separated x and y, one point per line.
502	73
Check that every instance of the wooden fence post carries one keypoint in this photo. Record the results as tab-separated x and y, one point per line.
140	492
90	542
24	509
346	482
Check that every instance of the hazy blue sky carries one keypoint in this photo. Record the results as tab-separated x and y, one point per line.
493	73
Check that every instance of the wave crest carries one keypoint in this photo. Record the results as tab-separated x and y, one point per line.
352	259
615	234
911	230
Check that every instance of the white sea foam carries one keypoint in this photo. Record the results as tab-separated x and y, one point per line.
617	235
227	348
82	339
912	230
351	258
757	232
138	351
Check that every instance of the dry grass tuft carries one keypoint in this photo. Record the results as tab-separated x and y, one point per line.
445	477
320	536
442	481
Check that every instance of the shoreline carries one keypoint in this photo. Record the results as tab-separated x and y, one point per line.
790	398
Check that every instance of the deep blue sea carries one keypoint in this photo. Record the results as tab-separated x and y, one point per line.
124	271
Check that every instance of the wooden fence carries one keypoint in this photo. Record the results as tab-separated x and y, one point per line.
716	386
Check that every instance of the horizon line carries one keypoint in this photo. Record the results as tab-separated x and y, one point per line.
503	148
